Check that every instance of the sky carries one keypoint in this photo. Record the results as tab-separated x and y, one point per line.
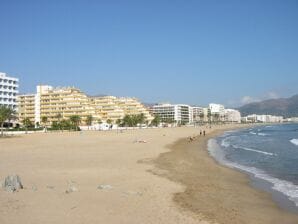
196	52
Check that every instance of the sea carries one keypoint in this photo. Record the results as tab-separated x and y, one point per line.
268	154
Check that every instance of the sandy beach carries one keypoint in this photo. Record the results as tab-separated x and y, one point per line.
138	176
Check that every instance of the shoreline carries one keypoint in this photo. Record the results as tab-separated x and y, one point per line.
216	192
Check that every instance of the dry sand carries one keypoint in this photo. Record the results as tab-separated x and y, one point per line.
49	163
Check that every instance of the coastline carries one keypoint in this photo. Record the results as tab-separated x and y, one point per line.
217	193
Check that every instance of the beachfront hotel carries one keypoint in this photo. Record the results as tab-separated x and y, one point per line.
265	118
63	102
217	110
173	113
197	114
232	116
115	108
8	90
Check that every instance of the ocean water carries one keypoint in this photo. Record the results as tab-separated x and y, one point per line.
268	153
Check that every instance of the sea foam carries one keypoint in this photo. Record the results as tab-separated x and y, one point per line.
294	141
253	150
285	187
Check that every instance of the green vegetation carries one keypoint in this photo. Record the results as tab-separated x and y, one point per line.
6	113
27	124
75	121
89	120
155	121
44	121
132	120
63	125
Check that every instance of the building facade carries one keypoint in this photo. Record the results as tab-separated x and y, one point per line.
9	88
26	107
61	103
255	118
198	114
217	112
232	116
173	113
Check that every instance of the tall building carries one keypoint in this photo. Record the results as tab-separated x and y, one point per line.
132	106
61	103
233	116
176	113
8	91
217	111
107	107
114	108
26	107
198	114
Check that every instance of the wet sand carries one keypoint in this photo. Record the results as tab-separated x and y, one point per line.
216	193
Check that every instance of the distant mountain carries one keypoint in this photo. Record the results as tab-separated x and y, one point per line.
287	107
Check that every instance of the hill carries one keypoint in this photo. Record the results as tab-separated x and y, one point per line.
287	107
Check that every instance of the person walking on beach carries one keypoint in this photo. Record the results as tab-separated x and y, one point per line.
200	132
204	132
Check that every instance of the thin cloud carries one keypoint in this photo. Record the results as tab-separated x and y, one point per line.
248	99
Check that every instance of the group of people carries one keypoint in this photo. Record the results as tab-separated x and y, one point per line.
201	133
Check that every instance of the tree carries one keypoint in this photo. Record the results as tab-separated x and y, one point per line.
65	124
75	120
6	113
216	117
129	120
140	118
119	122
155	121
99	121
27	123
89	120
44	120
201	117
59	116
209	116
109	121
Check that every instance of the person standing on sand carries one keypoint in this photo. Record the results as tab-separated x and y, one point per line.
200	132
204	132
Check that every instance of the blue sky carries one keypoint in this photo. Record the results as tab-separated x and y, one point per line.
193	52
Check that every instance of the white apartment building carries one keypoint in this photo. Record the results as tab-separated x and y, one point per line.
232	115
198	114
217	109
255	118
8	91
176	113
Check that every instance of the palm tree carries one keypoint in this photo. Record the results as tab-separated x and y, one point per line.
89	120
6	113
27	123
59	116
118	122
216	118
209	116
201	117
156	121
75	120
141	119
44	120
65	124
